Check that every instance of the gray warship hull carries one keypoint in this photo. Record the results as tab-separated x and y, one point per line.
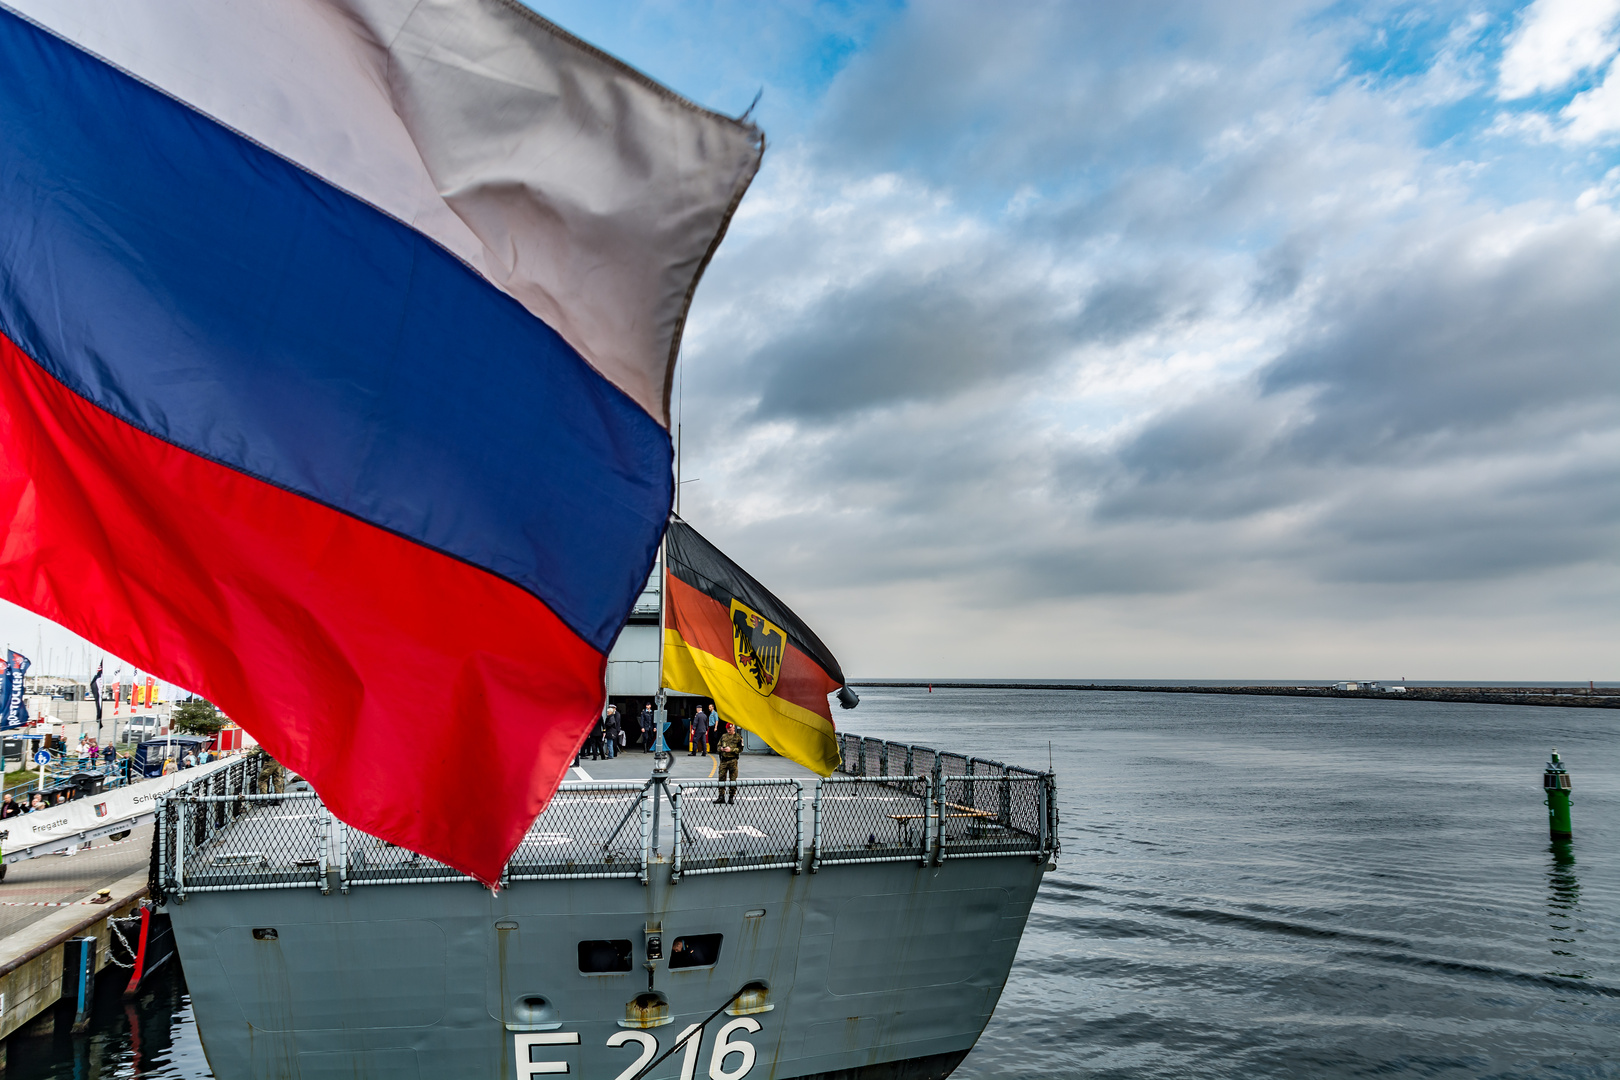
861	926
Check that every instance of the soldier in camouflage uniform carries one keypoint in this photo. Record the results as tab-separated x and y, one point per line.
272	777
731	748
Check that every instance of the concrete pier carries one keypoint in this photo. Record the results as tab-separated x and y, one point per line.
44	902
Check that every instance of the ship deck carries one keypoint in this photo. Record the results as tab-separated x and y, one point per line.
888	803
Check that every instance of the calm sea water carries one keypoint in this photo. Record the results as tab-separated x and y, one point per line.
1249	887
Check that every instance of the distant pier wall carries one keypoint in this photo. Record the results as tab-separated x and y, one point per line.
1551	695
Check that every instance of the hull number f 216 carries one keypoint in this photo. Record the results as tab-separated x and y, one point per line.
731	1058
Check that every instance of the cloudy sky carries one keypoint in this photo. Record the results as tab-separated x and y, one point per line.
1237	340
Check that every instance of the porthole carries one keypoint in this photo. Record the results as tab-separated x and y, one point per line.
695	950
604	957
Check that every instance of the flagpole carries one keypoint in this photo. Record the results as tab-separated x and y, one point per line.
660	711
661	756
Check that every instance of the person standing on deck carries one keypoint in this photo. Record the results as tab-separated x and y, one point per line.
700	733
648	735
731	748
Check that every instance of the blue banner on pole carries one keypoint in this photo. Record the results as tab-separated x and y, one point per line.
11	691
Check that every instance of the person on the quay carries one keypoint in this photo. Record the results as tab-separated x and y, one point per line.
700	733
714	727
610	731
731	748
593	742
648	735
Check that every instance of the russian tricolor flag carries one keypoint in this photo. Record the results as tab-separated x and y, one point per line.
337	338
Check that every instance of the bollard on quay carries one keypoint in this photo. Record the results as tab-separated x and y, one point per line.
1556	782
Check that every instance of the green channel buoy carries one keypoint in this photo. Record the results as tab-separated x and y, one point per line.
1556	782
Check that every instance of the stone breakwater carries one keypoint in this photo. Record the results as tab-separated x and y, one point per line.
1577	697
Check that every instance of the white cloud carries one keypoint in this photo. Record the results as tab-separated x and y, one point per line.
1555	41
1607	191
1138	371
1596	112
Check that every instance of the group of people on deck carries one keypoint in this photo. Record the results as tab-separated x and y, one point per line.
706	733
612	734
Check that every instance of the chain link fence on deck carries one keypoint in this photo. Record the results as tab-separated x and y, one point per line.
891	802
991	815
218	833
761	829
222	843
592	830
922	760
876	758
364	859
1038	814
849	753
860	819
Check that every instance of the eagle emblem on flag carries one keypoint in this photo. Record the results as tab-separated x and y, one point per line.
758	644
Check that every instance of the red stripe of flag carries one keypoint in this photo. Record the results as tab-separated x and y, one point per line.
202	574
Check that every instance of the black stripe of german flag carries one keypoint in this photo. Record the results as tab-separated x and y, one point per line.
729	638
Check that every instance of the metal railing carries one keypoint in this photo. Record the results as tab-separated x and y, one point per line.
979	807
990	815
592	830
850	749
889	802
228	832
364	859
265	842
860	820
877	757
759	828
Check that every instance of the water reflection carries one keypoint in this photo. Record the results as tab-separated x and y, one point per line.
150	1037
1564	910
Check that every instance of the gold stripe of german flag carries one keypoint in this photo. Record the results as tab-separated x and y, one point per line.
728	638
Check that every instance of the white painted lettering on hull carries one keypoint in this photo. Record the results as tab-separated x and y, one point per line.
689	1052
527	1044
726	1045
648	1044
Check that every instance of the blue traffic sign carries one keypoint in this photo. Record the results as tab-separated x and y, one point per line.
42	757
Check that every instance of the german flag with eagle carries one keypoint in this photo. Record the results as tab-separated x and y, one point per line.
728	638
